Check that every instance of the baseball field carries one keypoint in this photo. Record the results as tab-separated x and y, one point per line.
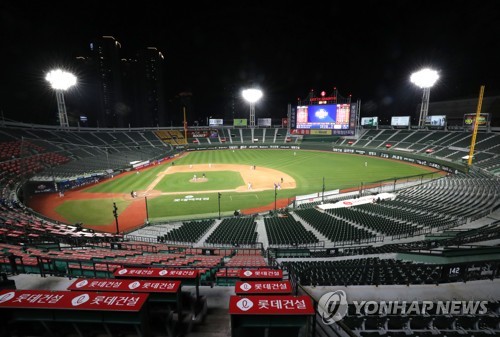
193	186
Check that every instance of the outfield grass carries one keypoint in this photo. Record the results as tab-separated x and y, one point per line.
128	183
309	169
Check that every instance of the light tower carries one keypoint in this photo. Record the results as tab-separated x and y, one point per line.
424	79
252	96
60	81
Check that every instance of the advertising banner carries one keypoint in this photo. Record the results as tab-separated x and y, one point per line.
262	274
470	119
263	287
369	121
72	300
240	122
264	122
400	120
438	121
321	132
271	305
126	285
155	273
215	122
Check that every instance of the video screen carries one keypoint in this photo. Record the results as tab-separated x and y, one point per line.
323	116
369	121
264	122
400	120
435	120
470	120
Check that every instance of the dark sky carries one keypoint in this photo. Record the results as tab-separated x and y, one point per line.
364	48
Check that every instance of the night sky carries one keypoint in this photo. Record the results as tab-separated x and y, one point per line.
367	49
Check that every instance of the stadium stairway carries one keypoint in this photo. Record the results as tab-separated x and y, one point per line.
217	324
202	240
495	216
308	227
262	234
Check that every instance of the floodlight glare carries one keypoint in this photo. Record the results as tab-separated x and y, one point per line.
60	81
252	96
424	79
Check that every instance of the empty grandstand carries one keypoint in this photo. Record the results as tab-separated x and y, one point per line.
436	240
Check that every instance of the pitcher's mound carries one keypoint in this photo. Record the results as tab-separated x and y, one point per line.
198	180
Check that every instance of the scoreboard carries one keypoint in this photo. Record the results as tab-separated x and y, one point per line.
336	119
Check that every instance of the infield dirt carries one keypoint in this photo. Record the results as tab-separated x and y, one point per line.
261	179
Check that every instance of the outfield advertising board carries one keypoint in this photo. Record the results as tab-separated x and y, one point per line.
240	122
470	119
264	122
438	121
215	122
400	120
321	132
369	121
395	156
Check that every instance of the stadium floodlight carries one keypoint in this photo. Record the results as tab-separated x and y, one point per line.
424	79
252	96
60	81
219	195
275	195
115	214
147	210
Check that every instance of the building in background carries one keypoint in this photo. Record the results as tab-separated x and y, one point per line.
146	81
121	91
106	71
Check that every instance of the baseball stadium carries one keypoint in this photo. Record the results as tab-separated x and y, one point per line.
312	226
